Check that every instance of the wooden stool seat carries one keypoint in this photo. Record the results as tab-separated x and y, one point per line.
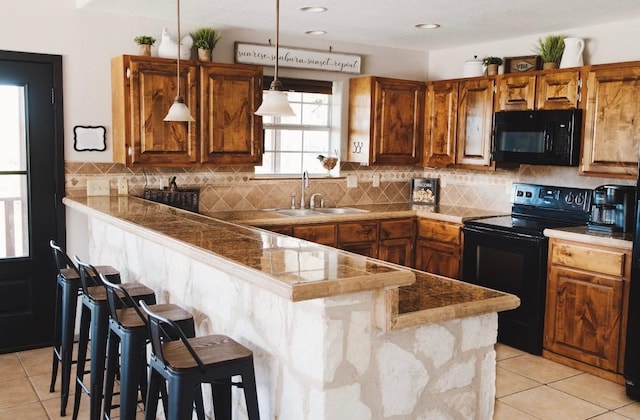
211	349
129	317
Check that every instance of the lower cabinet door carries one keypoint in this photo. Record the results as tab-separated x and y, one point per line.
438	258
583	316
397	251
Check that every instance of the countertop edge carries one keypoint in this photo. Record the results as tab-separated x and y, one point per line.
293	292
581	234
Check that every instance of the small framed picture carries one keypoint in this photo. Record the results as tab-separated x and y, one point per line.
425	190
522	64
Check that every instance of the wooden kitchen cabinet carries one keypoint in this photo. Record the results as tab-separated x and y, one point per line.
386	121
324	234
459	123
359	238
587	303
438	247
475	122
612	121
557	89
143	89
221	97
230	132
441	123
396	241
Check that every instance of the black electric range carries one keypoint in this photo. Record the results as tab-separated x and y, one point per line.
509	253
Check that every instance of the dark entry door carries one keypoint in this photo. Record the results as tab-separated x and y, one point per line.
31	186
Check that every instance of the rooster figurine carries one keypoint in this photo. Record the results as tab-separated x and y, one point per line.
168	48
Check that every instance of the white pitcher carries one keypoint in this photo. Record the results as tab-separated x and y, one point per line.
572	55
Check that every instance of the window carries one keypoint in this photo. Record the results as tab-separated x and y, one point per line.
292	144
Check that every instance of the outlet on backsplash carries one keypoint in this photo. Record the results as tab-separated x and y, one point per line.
98	187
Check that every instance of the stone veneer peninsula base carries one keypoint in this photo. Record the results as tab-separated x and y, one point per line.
319	358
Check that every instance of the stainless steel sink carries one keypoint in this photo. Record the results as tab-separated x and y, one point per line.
296	212
340	210
319	211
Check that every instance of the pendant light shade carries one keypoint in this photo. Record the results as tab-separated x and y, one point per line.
275	102
179	110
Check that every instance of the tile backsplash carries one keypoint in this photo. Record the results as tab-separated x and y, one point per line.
236	188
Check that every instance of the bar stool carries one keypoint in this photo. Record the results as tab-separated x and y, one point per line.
189	362
68	287
128	327
94	319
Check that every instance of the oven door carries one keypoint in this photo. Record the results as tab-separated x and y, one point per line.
515	264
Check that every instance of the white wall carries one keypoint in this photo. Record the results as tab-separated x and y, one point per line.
606	43
88	41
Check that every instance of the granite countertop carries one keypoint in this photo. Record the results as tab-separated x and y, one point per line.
268	217
302	270
583	234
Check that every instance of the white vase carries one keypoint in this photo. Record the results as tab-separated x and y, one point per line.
572	55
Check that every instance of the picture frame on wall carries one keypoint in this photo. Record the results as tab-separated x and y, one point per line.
425	191
522	64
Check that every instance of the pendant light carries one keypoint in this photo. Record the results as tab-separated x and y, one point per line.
179	111
275	102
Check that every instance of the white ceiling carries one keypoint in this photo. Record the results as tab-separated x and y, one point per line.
388	23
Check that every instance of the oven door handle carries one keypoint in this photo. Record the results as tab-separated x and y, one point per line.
493	233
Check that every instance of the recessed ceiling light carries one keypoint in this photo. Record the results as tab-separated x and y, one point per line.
427	26
313	9
316	32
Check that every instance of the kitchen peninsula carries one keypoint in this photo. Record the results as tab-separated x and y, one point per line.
334	334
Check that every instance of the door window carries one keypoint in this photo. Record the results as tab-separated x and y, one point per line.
14	226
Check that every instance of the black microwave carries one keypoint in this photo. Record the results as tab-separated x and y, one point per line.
544	137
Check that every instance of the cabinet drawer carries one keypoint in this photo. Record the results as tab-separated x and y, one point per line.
321	234
439	231
357	232
611	262
395	229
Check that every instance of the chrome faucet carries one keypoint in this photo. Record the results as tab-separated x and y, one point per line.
305	184
312	200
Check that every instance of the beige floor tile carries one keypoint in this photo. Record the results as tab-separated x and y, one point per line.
536	368
508	383
548	403
31	411
36	362
631	411
41	384
591	388
506	352
10	367
609	416
53	408
503	411
16	392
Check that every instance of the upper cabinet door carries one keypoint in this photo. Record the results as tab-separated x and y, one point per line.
143	90
475	120
231	133
558	90
441	122
516	93
399	121
612	121
386	121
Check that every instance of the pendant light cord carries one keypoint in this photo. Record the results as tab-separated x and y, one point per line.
178	66
275	71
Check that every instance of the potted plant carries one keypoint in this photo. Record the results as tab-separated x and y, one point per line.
550	50
145	42
205	39
492	64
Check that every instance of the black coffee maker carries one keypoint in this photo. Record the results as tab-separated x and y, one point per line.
613	208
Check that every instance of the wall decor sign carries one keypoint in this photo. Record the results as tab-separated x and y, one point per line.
88	138
425	190
264	55
522	64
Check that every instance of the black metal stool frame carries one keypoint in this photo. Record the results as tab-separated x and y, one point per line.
133	340
94	326
183	380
